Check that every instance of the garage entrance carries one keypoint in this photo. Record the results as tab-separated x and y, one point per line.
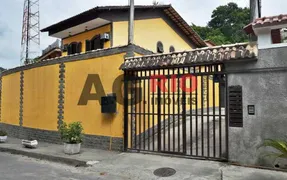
178	110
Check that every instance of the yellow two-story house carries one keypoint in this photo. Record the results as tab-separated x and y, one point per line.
94	44
157	28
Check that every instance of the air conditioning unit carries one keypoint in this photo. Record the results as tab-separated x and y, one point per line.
105	36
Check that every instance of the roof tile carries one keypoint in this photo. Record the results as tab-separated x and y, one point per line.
266	21
214	54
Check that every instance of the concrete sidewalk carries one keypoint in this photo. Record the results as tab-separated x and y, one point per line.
142	166
54	152
122	166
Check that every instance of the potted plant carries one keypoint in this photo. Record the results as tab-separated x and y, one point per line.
3	136
71	135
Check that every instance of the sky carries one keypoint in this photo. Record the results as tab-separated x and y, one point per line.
52	11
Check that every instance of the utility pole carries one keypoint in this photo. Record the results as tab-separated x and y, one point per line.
255	9
255	12
131	22
131	29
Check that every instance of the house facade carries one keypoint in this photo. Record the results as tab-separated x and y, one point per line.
94	44
107	27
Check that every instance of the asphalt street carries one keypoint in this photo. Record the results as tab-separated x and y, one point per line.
14	167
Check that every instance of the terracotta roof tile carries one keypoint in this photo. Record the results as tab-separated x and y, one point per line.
232	52
266	21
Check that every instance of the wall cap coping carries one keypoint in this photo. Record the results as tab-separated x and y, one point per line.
79	56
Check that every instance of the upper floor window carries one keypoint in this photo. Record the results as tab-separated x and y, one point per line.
97	42
159	47
171	49
279	35
74	48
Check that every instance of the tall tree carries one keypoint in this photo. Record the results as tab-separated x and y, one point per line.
226	24
215	35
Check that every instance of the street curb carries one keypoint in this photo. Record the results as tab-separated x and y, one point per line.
58	159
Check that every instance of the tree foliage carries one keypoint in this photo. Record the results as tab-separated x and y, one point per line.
226	25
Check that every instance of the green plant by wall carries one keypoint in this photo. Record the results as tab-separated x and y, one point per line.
279	145
71	133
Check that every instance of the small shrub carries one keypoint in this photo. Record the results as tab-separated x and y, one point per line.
71	133
3	133
278	145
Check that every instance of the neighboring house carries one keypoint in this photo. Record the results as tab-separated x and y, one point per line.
157	28
277	36
52	51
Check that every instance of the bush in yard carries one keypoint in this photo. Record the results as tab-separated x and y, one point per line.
71	133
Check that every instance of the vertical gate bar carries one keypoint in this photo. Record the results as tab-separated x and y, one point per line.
159	114
163	110
144	112
153	105
132	108
213	96
183	114
136	89
196	112
178	109
148	107
226	116
202	117
140	102
126	125
207	106
190	110
220	138
173	94
169	104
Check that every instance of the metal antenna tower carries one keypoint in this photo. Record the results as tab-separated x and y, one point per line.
30	43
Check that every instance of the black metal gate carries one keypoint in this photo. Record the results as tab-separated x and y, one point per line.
179	110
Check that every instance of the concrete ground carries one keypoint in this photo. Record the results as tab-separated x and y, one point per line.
128	166
142	166
198	129
113	166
